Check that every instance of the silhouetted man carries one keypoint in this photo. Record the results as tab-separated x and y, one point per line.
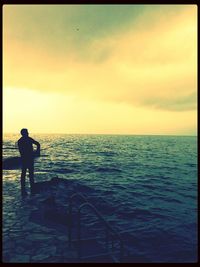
25	145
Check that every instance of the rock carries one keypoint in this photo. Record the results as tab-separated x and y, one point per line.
20	250
19	258
50	251
39	257
27	245
22	213
6	197
18	224
70	254
44	253
5	236
16	231
14	235
33	208
55	260
36	237
62	238
6	257
8	244
5	230
47	230
29	227
9	222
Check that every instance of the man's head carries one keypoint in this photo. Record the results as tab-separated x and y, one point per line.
24	132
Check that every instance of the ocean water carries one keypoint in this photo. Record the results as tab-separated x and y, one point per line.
149	181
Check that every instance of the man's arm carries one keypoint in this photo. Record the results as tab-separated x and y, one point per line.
19	147
38	146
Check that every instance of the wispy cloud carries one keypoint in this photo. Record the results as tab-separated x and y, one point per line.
180	103
140	55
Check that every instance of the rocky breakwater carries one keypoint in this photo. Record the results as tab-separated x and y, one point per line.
35	228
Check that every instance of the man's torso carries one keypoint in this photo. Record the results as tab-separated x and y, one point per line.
26	148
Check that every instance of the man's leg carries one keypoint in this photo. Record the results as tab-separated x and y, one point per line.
31	177
23	181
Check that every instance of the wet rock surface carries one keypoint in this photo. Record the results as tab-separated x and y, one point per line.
26	240
35	228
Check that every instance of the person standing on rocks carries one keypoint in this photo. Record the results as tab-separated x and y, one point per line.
25	146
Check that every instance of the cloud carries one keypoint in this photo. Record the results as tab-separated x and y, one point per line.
181	103
143	56
63	26
58	113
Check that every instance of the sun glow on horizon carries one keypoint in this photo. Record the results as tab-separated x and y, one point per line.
95	116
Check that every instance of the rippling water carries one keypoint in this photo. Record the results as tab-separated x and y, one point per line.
149	181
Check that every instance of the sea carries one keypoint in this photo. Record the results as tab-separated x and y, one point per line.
150	180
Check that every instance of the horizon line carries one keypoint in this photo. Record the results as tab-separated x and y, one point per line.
104	134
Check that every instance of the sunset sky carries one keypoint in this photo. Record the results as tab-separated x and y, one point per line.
100	69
